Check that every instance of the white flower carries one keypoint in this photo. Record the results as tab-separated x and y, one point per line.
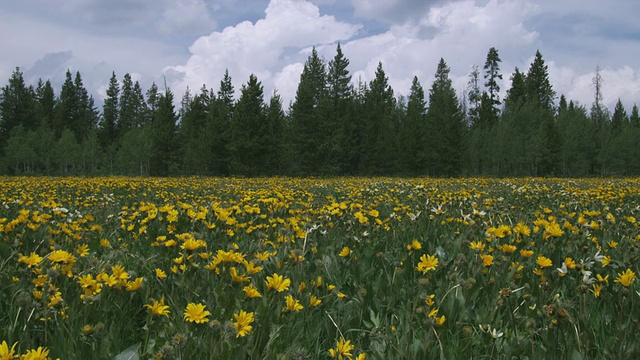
598	257
586	277
563	270
495	334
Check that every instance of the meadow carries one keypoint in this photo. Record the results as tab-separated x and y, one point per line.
342	268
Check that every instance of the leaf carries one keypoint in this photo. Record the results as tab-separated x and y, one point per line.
130	353
575	355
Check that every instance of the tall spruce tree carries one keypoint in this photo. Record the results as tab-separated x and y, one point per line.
379	152
413	131
275	147
474	95
310	133
192	135
16	107
446	126
218	127
340	123
110	113
249	132
163	135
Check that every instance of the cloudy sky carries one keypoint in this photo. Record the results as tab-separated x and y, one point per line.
192	42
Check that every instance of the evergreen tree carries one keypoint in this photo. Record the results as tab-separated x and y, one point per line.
634	118
619	118
16	107
127	106
275	136
538	87
110	113
219	126
46	101
474	96
516	95
75	109
379	152
446	126
163	132
413	131
337	114
307	119
249	132
491	77
192	135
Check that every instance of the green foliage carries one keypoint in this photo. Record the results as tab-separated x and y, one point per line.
332	127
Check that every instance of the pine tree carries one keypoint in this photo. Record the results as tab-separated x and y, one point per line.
192	135
474	96
413	131
275	140
379	152
307	120
46	100
538	87
219	126
619	118
446	126
75	109
634	118
249	132
16	107
110	113
340	123
491	76
516	95
127	107
163	132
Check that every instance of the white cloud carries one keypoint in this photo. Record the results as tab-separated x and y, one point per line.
264	48
460	32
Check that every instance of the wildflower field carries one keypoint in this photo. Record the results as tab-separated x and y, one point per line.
344	268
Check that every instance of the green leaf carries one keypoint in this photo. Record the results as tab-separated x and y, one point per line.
130	353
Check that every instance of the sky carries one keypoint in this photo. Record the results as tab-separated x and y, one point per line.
190	43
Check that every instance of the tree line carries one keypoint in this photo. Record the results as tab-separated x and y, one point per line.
332	127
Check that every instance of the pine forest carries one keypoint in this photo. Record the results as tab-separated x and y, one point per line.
333	127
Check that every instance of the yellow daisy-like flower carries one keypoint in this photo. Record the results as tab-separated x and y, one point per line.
243	323
571	264
32	260
41	353
597	288
626	278
477	246
427	262
251	291
135	284
522	229
293	304
526	253
82	250
158	308
5	352
160	274
237	278
543	261
342	349
487	260
196	313
277	283
314	301
415	245
61	256
345	252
